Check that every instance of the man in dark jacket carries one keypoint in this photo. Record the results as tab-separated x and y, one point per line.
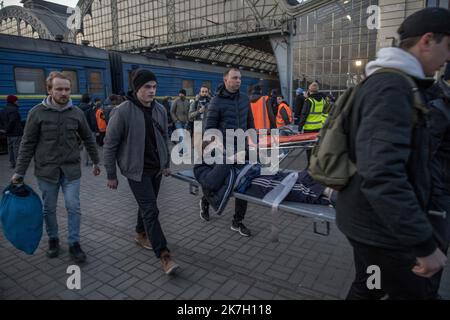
440	164
13	128
298	104
136	139
383	210
51	137
229	109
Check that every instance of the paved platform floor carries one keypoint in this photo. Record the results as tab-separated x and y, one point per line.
216	262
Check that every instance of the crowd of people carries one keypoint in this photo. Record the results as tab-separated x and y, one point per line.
394	211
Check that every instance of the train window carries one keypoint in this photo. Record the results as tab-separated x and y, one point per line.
207	84
72	75
188	85
95	82
30	80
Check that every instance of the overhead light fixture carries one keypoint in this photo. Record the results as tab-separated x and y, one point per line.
214	63
346	1
197	60
252	69
349	17
241	67
228	65
358	63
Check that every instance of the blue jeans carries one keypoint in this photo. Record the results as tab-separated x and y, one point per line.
71	191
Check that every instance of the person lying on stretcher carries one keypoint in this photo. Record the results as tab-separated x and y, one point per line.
218	181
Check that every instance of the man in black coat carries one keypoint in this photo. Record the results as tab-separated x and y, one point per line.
13	128
383	210
440	164
229	109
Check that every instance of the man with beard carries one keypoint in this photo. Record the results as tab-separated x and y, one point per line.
197	112
51	136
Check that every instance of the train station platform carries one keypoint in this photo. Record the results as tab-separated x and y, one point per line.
215	262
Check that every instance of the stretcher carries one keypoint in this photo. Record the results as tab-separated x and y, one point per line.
299	139
299	142
322	215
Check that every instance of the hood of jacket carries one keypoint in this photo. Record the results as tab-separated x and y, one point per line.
132	97
224	93
48	104
396	58
11	107
255	97
316	96
445	87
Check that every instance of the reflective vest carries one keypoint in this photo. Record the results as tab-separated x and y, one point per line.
280	121
101	122
316	117
259	112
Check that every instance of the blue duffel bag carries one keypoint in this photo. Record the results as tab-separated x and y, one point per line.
22	217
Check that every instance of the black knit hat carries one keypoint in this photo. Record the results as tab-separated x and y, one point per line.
435	20
182	91
141	77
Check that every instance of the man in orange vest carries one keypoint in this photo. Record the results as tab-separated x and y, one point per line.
284	114
101	122
261	110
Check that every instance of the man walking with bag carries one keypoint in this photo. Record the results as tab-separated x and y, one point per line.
51	137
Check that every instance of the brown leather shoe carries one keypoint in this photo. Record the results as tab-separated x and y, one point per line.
168	264
142	240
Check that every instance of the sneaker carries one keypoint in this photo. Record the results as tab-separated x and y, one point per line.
239	226
168	264
76	253
204	210
142	240
53	248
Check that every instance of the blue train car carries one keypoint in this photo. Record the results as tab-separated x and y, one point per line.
25	63
174	74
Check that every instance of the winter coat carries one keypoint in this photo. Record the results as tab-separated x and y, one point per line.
385	203
52	136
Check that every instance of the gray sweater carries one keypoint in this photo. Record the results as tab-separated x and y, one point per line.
125	140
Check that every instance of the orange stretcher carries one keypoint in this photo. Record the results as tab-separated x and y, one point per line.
296	139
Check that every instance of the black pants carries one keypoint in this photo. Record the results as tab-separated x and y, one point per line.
146	193
397	279
309	151
240	208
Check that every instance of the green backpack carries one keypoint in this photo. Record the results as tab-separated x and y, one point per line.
330	163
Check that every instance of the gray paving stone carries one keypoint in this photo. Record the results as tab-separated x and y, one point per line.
216	263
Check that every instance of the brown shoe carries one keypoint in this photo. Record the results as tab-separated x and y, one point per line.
168	264
142	240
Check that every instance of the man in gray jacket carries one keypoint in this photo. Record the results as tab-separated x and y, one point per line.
136	138
180	115
51	136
